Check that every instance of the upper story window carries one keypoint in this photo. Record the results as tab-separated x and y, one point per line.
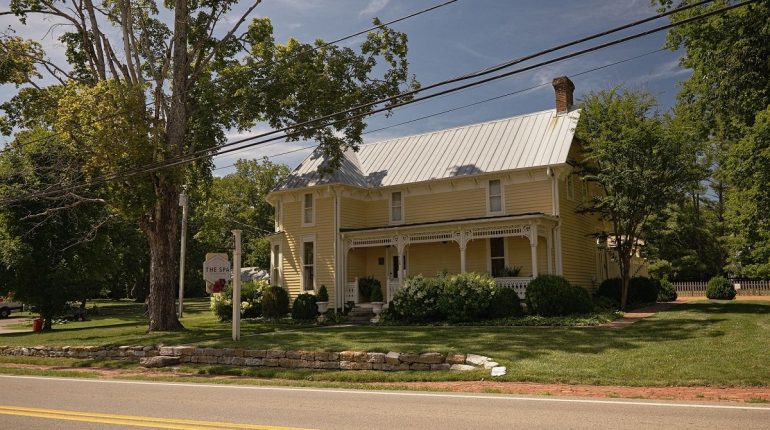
571	186
396	207
308	215
495	196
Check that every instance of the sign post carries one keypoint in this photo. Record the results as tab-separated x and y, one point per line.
237	286
183	204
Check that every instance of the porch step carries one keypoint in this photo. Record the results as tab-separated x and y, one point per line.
359	315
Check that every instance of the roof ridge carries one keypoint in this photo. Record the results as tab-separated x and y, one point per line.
458	127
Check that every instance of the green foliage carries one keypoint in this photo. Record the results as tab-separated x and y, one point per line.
275	302
643	290
466	297
719	288
376	293
748	204
667	292
505	303
552	295
417	300
221	304
511	271
643	161
323	294
365	287
237	200
304	307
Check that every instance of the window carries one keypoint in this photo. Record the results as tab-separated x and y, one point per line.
495	196
275	278
571	187
396	207
307	208
497	256
308	266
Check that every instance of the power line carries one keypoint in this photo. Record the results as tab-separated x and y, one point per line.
224	78
465	106
187	159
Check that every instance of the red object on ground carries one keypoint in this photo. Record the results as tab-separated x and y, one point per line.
37	324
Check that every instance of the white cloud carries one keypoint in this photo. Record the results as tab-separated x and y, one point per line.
373	7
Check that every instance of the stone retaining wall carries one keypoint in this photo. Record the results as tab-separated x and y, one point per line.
345	360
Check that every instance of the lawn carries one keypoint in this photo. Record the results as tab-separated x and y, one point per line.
697	343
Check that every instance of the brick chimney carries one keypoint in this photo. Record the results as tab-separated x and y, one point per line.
563	87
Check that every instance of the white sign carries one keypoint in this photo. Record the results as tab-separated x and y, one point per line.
216	267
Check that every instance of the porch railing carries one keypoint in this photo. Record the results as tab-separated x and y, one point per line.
351	291
519	284
393	285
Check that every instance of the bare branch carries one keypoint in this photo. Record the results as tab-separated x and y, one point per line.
90	234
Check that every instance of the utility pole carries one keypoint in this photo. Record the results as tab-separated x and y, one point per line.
237	286
182	252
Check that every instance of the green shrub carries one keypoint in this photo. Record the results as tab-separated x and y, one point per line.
505	303
323	294
365	287
643	290
466	297
376	293
720	288
251	301
221	304
417	300
552	295
667	292
275	302
304	307
640	290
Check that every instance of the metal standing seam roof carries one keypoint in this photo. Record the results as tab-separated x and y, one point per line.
524	141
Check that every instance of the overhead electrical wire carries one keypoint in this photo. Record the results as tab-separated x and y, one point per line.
223	78
187	159
465	106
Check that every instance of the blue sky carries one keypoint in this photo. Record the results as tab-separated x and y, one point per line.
464	36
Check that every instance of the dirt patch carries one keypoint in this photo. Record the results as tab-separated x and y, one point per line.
12	320
692	393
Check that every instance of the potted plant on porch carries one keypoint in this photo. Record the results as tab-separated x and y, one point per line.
323	300
376	301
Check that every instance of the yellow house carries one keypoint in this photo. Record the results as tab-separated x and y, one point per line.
491	197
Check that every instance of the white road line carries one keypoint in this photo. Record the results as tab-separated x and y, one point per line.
399	393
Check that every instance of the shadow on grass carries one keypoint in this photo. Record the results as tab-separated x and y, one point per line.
725	307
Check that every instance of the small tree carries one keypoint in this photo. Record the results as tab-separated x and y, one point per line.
641	161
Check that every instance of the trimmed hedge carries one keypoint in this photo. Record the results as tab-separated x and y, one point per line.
640	290
552	295
275	302
667	292
251	301
466	297
719	288
323	294
304	307
505	303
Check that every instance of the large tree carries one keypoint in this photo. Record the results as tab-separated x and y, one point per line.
730	85
639	159
173	88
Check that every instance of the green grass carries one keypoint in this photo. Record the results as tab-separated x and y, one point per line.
697	343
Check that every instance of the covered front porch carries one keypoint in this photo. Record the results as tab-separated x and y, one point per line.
513	250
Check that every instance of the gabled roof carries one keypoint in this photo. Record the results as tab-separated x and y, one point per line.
519	142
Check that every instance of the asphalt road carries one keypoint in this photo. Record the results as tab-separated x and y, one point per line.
60	403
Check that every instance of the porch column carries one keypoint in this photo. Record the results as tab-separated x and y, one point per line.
401	242
462	241
533	243
549	250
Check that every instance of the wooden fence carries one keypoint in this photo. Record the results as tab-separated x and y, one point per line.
742	286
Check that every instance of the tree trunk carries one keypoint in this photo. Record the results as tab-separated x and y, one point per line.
625	269
161	235
162	229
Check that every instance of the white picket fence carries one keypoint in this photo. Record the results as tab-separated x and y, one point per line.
742	287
